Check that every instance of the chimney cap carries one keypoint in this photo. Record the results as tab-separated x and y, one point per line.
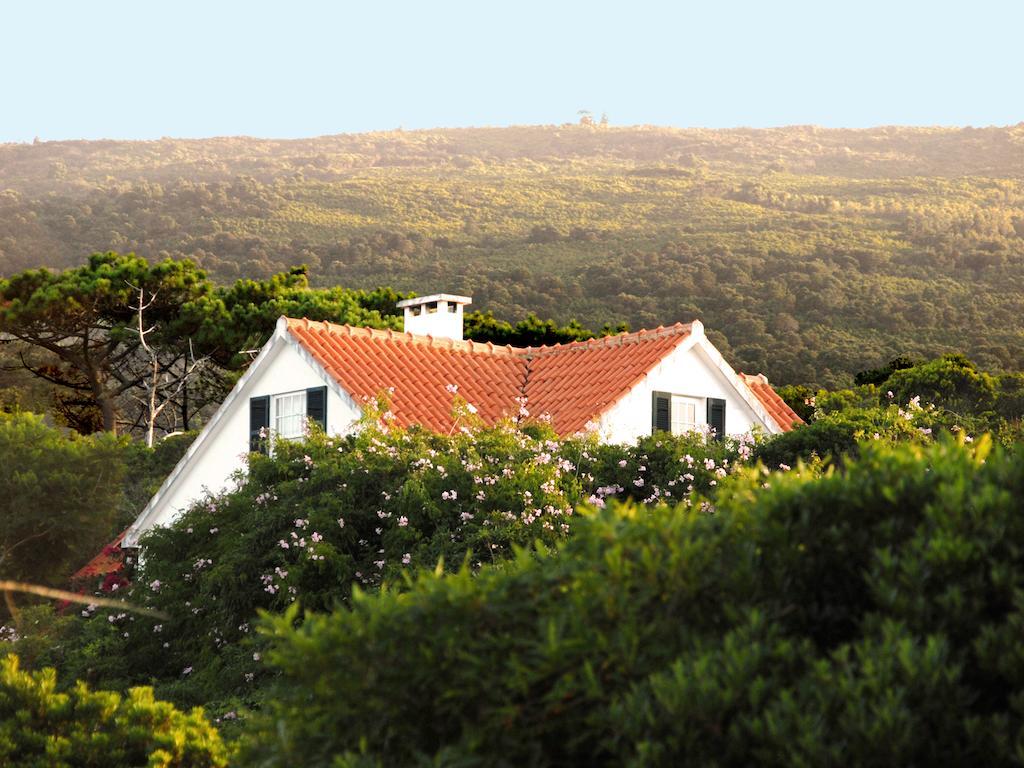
451	298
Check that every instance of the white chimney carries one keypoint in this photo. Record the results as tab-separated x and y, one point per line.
438	315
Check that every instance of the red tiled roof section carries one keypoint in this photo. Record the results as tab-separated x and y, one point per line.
110	560
777	408
368	362
575	383
572	383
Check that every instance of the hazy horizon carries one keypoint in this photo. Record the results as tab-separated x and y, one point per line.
428	129
127	71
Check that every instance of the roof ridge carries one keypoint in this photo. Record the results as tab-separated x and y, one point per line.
404	337
468	345
613	340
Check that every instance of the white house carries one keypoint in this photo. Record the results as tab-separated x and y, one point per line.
625	386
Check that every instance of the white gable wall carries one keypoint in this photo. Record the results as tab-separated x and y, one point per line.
694	369
689	371
221	449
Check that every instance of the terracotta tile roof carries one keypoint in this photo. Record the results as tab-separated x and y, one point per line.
366	362
110	560
572	383
575	383
777	408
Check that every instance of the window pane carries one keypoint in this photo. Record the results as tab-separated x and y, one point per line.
684	414
290	415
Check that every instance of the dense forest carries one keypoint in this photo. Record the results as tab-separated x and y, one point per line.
811	254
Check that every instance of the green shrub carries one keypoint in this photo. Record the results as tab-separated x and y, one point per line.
951	382
40	726
59	498
1010	397
871	615
327	514
38	636
836	433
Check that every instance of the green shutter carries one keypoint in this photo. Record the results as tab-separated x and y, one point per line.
716	417
316	406
259	418
661	412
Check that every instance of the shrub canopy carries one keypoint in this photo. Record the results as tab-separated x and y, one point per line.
324	515
40	726
867	616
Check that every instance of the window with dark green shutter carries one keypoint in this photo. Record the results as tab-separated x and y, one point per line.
259	422
316	406
661	412
716	417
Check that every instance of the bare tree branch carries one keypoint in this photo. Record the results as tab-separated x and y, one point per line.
74	597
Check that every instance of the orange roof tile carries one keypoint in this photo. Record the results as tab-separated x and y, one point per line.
572	383
575	383
777	408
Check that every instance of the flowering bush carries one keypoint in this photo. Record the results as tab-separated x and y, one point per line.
843	420
324	515
84	729
868	616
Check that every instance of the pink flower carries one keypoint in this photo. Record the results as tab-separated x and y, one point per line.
406	558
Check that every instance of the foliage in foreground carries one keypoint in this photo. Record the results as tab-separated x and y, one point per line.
80	728
869	616
327	514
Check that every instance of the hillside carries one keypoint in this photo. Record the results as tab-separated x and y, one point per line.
813	253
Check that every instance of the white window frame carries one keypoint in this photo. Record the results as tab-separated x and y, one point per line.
296	424
678	404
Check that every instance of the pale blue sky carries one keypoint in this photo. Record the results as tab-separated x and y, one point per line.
142	69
